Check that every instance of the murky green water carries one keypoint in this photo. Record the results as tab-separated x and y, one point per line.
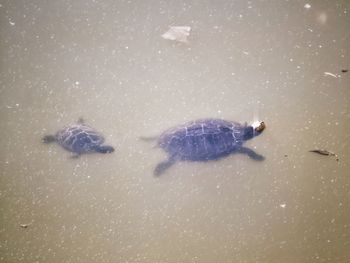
279	61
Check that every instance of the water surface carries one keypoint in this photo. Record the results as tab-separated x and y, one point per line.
278	61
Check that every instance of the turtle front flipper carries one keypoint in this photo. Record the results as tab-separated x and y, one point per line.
81	121
48	138
253	155
104	149
161	167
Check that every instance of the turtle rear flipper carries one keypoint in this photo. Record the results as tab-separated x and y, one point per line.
74	155
48	139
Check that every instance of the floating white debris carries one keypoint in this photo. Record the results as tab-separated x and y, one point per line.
330	74
283	205
307	6
177	33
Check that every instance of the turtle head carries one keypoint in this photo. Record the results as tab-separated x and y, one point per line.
48	138
254	129
104	149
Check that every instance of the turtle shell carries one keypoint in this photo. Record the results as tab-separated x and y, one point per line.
79	138
202	140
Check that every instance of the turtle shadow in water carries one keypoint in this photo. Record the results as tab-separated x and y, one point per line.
206	140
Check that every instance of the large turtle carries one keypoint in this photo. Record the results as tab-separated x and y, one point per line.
206	139
79	138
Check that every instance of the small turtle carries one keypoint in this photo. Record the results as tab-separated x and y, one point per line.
79	138
207	139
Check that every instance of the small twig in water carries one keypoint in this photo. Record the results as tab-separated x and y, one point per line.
330	74
323	152
25	225
326	153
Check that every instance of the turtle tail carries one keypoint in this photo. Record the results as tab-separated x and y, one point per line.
149	139
48	139
104	149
